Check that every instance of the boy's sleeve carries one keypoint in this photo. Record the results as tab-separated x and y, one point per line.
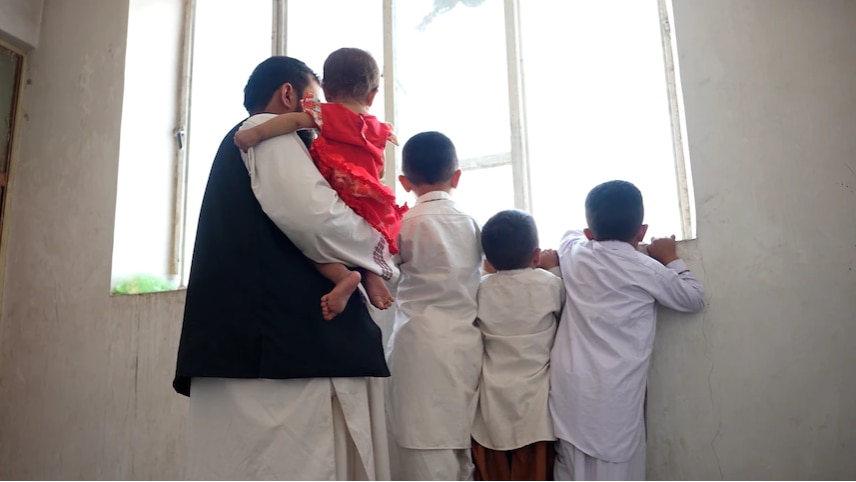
302	204
677	288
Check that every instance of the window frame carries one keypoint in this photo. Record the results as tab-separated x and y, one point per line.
518	155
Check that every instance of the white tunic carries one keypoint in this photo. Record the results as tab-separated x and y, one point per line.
300	429
435	350
518	313
599	365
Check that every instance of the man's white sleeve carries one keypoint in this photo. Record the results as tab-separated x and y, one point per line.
302	204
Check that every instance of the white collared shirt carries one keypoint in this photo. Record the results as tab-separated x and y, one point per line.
599	364
518	313
302	204
435	350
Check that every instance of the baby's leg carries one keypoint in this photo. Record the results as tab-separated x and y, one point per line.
346	281
378	293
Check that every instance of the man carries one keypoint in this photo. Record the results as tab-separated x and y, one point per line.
275	391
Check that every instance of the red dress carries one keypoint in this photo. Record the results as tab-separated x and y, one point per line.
349	154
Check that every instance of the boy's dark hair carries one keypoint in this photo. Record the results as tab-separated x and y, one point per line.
429	158
269	76
509	239
350	74
614	211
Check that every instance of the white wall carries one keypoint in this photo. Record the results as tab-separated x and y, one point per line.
84	378
758	386
20	21
761	385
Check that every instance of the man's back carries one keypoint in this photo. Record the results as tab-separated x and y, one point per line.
603	346
251	309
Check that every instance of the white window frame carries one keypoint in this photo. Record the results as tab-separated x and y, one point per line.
518	155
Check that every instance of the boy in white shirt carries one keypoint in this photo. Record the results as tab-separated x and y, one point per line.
435	350
519	308
599	363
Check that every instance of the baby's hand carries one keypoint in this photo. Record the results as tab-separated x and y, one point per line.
549	259
246	139
663	250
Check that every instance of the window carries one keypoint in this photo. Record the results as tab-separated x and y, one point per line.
543	99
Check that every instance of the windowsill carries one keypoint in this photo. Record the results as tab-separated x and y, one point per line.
149	293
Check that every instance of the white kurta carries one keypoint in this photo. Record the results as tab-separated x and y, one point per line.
599	363
302	429
301	202
518	312
435	350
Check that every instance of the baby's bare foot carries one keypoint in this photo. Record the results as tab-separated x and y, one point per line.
335	301
379	294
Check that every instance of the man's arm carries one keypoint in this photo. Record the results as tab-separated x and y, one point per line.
302	204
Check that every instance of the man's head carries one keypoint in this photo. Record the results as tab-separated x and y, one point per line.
614	212
510	240
277	85
351	75
429	162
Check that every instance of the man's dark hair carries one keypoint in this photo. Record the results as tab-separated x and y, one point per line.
350	74
429	158
269	76
509	239
614	211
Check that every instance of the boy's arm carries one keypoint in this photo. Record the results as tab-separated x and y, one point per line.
302	204
278	126
677	288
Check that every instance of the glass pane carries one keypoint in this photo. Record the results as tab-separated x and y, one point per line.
478	193
451	76
597	109
145	193
221	66
356	23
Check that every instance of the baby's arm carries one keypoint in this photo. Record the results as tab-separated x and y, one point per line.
278	126
677	288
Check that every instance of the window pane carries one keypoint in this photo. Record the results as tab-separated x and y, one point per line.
478	193
451	76
597	109
230	39
356	23
145	194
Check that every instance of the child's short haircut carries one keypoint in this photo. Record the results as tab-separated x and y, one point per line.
350	74
509	239
429	158
614	211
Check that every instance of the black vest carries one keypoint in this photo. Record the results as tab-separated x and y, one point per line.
253	306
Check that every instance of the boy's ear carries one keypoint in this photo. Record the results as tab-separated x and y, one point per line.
588	233
536	258
405	183
456	177
640	236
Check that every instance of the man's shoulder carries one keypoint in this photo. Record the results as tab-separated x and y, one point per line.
255	120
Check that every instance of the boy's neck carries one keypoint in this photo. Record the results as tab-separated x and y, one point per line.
426	188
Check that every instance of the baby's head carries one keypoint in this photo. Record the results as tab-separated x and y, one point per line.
430	163
351	75
510	240
614	212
